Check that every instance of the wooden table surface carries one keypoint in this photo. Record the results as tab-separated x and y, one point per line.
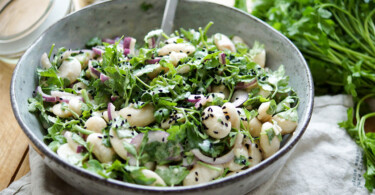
14	155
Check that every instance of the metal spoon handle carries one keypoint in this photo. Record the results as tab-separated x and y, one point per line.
168	17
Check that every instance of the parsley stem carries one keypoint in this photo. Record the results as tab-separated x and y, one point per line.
209	166
82	130
142	82
50	51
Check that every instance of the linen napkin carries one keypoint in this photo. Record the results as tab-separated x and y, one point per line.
325	161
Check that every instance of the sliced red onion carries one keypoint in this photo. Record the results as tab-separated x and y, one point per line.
46	98
239	97
214	161
195	98
103	77
137	140
126	52
222	59
97	51
220	160
80	149
110	108
152	61
127	41
110	41
242	85
114	98
153	42
94	71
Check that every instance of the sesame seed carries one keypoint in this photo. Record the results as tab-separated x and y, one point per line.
214	159
105	136
226	124
111	136
196	173
196	179
256	145
163	139
250	157
211	115
203	113
238	112
129	115
247	146
227	117
225	112
216	132
100	137
224	107
222	123
188	52
197	97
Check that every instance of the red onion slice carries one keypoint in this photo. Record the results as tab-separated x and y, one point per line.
97	51
103	77
80	149
127	41
126	52
242	85
195	98
110	41
152	61
114	98
239	97
200	103
94	71
110	108
46	98
222	59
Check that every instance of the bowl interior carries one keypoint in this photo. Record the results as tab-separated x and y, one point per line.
127	18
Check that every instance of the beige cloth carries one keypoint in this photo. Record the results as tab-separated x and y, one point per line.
326	161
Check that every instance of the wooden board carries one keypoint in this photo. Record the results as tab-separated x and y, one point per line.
13	142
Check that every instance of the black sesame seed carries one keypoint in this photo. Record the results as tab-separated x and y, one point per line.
196	173
196	179
227	117
211	115
250	157
188	52
225	112
203	113
238	112
111	136
163	139
214	159
160	90
129	115
105	136
224	107
216	132
226	124
100	137
256	145
222	123
197	97
247	146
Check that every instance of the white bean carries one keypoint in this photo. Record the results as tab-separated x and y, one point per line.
102	153
287	126
179	47
262	110
70	69
66	153
221	89
222	42
72	144
238	152
150	174
138	117
118	144
46	64
264	93
260	58
84	57
201	174
167	123
230	110
175	57
253	125
182	69
216	122
269	145
157	71
58	111
96	124
255	155
75	105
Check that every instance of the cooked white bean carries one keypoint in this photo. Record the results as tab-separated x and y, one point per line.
201	174
216	122
70	69
75	105
237	39
179	47
66	153
96	124
132	46
58	111
175	57
255	155
157	71
118	144
182	69
253	125
72	144
84	57
221	89
167	123
286	125
269	145
171	40
262	110
260	58
46	64
150	174
114	114
230	112
102	153
238	152
222	42
264	93
138	117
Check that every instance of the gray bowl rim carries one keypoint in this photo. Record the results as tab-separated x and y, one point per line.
42	147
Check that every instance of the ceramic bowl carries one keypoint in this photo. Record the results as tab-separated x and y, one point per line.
126	17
